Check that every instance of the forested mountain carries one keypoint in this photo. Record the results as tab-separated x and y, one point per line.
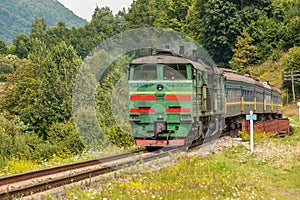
17	15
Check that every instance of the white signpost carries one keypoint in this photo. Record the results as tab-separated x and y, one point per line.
251	117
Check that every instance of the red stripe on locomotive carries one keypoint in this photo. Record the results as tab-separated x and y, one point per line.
141	110
175	98
177	110
142	98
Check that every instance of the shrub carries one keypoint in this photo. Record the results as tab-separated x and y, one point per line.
64	138
118	137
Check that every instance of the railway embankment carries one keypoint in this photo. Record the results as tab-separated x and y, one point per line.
272	171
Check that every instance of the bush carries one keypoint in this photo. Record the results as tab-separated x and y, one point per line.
64	138
118	137
256	134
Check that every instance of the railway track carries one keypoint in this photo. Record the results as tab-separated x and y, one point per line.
6	182
106	165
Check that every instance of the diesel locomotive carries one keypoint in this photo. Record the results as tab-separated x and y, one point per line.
174	100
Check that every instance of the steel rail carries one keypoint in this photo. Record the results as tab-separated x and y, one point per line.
44	172
50	184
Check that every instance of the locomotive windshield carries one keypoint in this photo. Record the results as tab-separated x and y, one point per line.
174	72
159	72
145	72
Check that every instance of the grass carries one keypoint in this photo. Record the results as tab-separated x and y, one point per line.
271	172
15	166
292	112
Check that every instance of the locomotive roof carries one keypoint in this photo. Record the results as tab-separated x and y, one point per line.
174	59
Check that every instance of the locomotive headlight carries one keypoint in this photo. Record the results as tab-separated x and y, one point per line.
186	117
159	87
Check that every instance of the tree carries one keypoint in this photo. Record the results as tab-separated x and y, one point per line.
40	91
38	29
102	26
59	72
265	32
103	21
172	14
22	46
105	101
143	13
290	33
57	34
291	64
215	24
244	53
3	48
292	60
8	64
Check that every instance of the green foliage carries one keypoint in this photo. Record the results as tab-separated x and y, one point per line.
290	63
3	48
18	145
244	53
162	13
40	89
257	135
292	59
15	165
108	123
265	33
38	28
215	24
172	14
22	45
8	65
57	34
64	138
143	13
15	141
270	71
118	137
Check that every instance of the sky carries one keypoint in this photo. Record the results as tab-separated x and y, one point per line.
85	8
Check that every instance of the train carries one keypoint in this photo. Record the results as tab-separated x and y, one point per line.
175	100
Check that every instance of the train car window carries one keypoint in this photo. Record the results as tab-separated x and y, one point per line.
268	98
174	72
145	72
248	95
233	95
259	96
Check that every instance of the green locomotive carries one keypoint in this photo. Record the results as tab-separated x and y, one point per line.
174	100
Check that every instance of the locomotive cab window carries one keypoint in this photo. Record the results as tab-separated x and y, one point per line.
144	72
174	72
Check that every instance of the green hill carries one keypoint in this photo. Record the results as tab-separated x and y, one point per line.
17	15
